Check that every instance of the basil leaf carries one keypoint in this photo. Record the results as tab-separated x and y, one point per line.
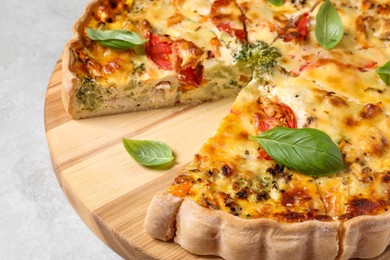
329	28
306	150
149	153
384	73
276	2
117	39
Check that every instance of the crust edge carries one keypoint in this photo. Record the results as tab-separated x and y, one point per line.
365	236
219	233
70	82
160	218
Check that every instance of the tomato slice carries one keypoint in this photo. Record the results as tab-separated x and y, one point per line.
226	27
271	115
223	13
289	115
302	25
159	50
192	76
297	31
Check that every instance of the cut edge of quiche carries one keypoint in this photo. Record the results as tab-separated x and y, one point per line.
100	81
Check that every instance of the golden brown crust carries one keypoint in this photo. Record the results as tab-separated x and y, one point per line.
161	216
71	83
365	236
222	234
219	233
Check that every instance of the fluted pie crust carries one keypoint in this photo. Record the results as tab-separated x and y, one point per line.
206	231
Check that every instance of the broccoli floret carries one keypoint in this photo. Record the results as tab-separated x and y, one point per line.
89	95
259	57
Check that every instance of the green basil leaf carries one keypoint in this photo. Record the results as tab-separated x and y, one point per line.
306	150
118	39
276	2
329	28
384	73
149	153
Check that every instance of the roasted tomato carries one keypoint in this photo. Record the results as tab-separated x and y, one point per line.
159	50
192	76
181	56
227	17
296	30
272	114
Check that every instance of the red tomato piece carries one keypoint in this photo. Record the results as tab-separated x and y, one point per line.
289	115
192	76
282	115
302	25
223	12
226	27
159	50
297	31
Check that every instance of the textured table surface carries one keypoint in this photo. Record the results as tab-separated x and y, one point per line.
36	220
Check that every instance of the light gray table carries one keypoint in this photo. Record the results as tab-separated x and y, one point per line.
36	221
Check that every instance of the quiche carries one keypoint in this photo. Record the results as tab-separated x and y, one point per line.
188	56
242	197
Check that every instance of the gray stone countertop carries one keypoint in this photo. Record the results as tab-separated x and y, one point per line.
36	221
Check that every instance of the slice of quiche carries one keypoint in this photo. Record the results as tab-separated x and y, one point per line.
187	56
245	205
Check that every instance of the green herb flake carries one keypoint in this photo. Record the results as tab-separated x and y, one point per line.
276	2
329	29
384	73
117	39
149	153
306	150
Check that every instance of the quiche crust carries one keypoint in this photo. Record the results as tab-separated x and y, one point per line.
205	231
365	236
165	206
70	83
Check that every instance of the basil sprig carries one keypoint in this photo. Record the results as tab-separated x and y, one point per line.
329	28
306	150
117	39
149	153
384	73
276	2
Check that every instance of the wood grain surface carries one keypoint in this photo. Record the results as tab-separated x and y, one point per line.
110	191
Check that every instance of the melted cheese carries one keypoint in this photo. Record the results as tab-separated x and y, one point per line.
336	91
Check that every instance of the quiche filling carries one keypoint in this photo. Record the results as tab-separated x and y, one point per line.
204	50
233	174
335	91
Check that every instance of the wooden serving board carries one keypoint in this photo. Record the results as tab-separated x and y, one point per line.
109	190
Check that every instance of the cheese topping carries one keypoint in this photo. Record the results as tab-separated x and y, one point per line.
336	91
192	54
